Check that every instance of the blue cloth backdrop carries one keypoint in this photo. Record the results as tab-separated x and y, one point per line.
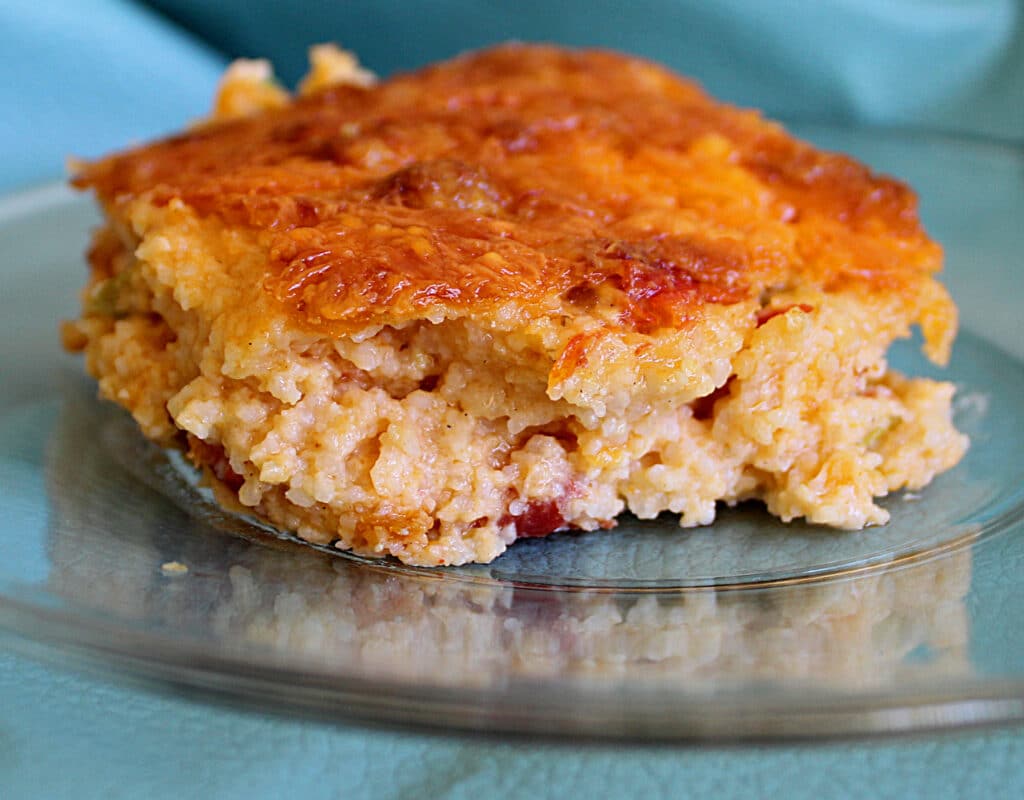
85	77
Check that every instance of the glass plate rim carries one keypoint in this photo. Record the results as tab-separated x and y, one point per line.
51	635
524	707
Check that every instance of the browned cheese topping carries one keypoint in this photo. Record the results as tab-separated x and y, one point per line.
535	175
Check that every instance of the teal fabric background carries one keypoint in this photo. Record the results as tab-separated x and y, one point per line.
81	78
64	737
84	77
88	76
953	63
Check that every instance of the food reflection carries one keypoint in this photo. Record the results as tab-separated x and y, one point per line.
856	632
112	537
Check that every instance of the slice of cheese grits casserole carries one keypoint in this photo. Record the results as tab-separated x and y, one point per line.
516	292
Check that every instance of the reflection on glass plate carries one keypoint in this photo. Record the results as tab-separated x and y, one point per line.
111	557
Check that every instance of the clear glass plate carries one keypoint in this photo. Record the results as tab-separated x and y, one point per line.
111	558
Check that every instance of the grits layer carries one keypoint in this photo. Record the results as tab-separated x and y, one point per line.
441	443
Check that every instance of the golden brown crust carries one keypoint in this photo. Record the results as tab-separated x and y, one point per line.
538	176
